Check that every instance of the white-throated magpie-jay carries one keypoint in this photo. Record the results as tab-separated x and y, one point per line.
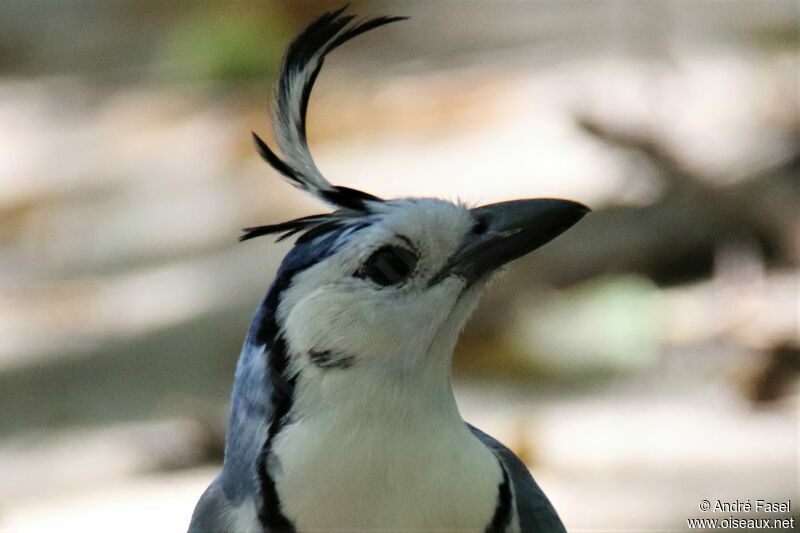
342	414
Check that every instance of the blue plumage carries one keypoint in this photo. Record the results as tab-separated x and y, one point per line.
536	513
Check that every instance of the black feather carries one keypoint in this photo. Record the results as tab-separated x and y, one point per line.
301	52
288	228
274	161
362	27
301	66
319	230
349	198
503	509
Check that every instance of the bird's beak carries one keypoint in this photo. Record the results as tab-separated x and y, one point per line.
506	231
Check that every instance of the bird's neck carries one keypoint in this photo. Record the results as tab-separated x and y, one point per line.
383	451
365	396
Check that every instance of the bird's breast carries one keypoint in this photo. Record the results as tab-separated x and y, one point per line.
401	477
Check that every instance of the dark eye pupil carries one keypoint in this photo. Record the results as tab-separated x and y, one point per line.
388	265
480	226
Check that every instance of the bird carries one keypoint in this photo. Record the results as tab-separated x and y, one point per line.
342	414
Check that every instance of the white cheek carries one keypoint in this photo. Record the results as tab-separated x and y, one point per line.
364	322
333	320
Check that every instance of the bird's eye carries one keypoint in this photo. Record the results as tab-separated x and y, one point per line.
388	265
480	225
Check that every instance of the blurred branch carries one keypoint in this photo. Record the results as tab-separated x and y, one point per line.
674	239
674	172
779	373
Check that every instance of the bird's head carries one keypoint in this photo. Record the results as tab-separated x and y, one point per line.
383	286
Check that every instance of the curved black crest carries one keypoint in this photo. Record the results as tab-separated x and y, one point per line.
301	66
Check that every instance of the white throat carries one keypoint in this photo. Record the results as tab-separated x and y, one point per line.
375	449
412	465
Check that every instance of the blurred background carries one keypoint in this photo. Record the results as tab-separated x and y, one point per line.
646	360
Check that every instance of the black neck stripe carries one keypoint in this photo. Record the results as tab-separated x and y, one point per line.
502	512
270	513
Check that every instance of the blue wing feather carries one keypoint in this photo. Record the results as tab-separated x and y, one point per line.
251	409
250	415
209	513
536	513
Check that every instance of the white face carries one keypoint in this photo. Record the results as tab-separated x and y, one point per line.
349	311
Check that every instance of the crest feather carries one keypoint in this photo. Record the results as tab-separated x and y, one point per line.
284	229
301	66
